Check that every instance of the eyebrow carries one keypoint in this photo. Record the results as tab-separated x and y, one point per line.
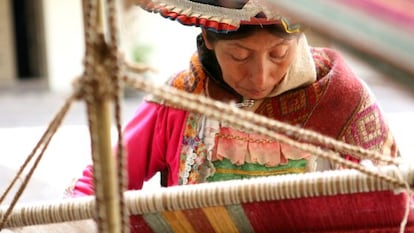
241	46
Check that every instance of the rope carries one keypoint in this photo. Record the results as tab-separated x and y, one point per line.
227	113
99	85
246	120
117	70
91	33
255	123
317	184
297	133
39	149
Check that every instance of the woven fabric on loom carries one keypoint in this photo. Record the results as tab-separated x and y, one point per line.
396	12
319	214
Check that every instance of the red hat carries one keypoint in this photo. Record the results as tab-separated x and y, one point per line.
220	15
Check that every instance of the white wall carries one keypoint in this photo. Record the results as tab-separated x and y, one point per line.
64	42
172	43
7	62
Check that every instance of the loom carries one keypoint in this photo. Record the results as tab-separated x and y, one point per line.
357	199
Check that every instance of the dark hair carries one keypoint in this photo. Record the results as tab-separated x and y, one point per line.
208	58
232	4
246	30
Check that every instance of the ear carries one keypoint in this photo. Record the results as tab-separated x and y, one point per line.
208	44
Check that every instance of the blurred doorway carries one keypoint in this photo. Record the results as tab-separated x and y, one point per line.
29	39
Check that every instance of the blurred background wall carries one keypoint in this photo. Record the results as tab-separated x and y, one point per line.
7	51
43	41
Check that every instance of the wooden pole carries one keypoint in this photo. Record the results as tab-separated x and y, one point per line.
99	99
106	187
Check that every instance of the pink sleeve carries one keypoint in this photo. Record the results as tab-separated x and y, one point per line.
152	141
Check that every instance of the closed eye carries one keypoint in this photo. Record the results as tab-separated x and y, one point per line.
239	58
279	55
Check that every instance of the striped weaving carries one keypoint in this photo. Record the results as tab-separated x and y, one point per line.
362	212
379	31
332	201
396	12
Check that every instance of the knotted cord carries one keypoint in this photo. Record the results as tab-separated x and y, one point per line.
101	86
36	155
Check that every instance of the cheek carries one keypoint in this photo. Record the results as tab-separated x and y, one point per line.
233	72
232	75
283	67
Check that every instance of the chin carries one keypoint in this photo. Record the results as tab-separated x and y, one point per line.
249	94
256	96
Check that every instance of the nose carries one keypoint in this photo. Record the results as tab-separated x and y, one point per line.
260	73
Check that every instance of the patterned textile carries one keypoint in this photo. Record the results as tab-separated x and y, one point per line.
337	105
380	32
354	117
397	12
334	214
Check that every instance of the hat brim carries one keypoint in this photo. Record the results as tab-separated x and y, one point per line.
217	18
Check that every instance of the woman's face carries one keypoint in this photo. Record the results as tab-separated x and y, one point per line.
254	65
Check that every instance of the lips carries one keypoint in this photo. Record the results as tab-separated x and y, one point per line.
257	94
261	93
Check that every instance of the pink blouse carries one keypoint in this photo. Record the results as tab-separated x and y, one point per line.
152	139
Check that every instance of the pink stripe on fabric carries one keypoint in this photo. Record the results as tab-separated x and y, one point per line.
402	7
397	14
360	212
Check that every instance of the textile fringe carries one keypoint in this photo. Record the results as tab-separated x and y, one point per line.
216	17
194	9
223	193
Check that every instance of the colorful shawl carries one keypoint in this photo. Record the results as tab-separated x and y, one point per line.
337	105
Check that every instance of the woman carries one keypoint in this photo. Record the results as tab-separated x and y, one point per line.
266	66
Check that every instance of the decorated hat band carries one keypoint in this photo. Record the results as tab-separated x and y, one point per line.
220	15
